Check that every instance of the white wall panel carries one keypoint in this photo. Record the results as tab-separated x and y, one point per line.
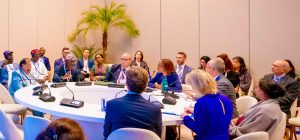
51	27
3	27
224	28
148	22
180	29
275	32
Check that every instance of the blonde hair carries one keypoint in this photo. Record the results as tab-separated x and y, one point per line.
201	82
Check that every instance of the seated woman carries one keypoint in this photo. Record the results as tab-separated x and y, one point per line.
166	70
212	114
203	62
265	115
62	129
239	66
139	61
98	71
229	73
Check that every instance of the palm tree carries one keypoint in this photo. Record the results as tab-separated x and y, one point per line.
112	15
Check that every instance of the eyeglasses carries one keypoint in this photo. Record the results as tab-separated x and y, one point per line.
98	57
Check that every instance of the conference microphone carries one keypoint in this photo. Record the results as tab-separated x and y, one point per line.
43	96
58	85
47	97
157	103
119	92
71	102
115	85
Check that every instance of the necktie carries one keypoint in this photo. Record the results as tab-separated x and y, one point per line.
180	73
122	75
277	80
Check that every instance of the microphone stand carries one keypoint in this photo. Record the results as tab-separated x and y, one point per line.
44	96
71	102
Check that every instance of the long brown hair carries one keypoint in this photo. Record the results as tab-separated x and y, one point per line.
227	61
168	65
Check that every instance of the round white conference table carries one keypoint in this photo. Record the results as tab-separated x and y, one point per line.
90	117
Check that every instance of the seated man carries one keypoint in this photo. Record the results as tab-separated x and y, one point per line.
133	110
6	67
61	61
68	72
290	84
117	71
181	68
22	78
85	64
39	71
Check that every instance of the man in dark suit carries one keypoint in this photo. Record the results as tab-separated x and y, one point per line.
45	59
61	61
215	67
68	72
291	86
85	64
133	110
116	73
181	68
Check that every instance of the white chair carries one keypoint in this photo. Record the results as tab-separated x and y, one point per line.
254	136
244	103
33	126
132	134
278	133
9	105
8	129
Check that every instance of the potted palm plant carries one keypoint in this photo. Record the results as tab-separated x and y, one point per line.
103	19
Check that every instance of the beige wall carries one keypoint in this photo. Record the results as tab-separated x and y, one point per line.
259	31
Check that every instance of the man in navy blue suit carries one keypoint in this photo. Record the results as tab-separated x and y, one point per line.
85	64
117	71
61	61
181	68
44	59
133	110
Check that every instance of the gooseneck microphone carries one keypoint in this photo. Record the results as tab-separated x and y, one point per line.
157	103
43	96
71	102
116	95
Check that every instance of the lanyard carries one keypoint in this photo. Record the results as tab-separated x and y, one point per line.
24	74
99	70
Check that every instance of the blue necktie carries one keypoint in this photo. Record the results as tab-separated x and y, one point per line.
276	80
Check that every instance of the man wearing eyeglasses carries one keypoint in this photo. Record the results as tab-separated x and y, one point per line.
117	71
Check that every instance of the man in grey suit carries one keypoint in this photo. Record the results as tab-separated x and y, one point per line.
215	67
291	86
181	68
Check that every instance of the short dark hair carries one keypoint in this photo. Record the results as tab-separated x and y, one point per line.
182	53
136	79
168	65
62	129
65	48
272	89
142	55
23	62
292	72
85	49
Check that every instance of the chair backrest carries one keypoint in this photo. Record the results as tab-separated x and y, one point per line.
280	129
244	103
132	134
250	91
33	125
254	136
294	109
8	129
5	96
